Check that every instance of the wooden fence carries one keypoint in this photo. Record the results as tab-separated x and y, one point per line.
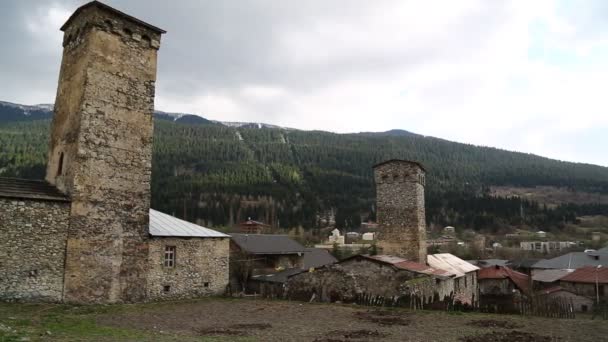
532	306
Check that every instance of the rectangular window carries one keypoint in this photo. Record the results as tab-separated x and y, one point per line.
169	256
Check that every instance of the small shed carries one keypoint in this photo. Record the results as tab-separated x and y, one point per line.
580	303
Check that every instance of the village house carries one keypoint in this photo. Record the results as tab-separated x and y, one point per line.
87	234
463	276
545	246
267	253
381	275
253	227
545	279
579	303
501	288
589	281
571	261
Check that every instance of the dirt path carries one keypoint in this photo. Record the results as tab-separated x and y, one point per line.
259	320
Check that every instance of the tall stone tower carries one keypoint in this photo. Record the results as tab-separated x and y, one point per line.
101	151
400	209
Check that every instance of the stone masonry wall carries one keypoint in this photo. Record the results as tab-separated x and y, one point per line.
343	281
400	210
102	133
32	249
201	268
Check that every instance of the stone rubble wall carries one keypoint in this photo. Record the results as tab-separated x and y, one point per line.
32	249
201	268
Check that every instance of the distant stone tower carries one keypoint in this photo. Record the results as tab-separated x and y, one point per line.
400	209
101	151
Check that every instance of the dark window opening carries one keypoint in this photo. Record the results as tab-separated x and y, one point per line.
128	32
206	284
146	39
60	166
600	290
166	288
169	256
584	308
108	24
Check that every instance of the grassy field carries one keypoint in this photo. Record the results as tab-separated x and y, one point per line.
217	319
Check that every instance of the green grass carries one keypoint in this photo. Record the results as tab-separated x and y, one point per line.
41	322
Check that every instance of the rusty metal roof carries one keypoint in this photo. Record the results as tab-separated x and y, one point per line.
112	10
450	263
589	274
522	281
403	264
30	189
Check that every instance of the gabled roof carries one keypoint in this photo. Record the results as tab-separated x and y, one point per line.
317	257
588	275
402	264
163	225
550	275
574	260
555	289
112	10
267	244
400	161
522	281
451	263
30	189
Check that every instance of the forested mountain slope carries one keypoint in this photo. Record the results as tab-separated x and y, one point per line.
217	175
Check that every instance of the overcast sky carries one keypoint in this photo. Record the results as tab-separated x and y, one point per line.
528	76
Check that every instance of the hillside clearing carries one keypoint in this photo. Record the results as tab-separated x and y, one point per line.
217	319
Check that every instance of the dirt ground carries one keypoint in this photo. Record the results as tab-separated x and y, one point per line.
217	319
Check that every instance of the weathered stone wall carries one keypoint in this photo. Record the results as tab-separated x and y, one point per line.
32	249
400	209
343	281
201	268
580	303
466	289
496	287
585	289
103	128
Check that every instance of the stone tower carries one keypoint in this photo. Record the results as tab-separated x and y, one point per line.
100	151
400	209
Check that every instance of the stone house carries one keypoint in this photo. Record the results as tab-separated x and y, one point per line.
86	234
580	303
591	282
186	260
463	276
381	275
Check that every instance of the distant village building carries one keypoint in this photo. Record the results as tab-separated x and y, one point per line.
596	236
253	227
336	237
541	234
368	236
545	279
400	209
87	234
572	261
449	230
545	246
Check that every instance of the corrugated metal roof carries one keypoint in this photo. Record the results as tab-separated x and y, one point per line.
450	263
551	275
162	224
574	260
588	275
30	189
267	244
522	281
404	264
